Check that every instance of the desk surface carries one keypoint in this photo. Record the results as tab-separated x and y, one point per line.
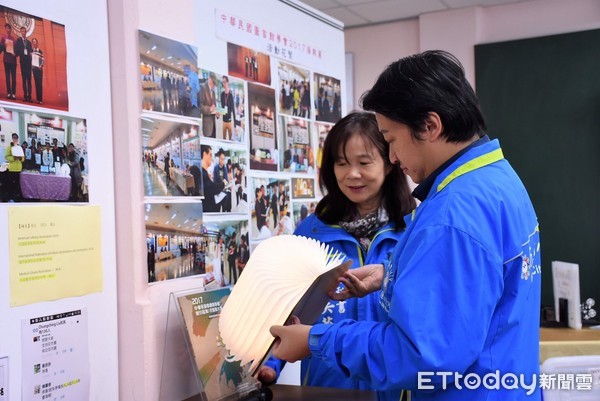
555	342
299	393
568	334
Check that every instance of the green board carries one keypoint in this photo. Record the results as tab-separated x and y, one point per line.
541	99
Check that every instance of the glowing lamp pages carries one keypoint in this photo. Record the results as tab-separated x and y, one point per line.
283	273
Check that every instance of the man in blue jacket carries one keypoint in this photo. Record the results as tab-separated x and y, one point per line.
462	287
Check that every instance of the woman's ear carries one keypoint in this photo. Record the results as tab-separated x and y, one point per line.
433	126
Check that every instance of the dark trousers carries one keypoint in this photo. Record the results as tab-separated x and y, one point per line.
26	78
14	185
38	75
233	276
10	71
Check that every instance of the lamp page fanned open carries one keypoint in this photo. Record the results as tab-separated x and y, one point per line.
286	275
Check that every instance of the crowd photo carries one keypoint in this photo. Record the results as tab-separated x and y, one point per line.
47	162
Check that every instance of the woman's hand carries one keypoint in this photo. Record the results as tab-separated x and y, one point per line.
359	282
291	342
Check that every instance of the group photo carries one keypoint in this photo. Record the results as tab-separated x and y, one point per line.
34	55
43	157
294	90
296	145
224	178
271	208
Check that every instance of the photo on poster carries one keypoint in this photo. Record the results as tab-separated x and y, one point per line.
171	157
328	100
227	250
322	130
302	209
224	179
221	101
293	90
168	75
40	75
263	128
297	155
44	157
248	64
174	239
303	188
270	208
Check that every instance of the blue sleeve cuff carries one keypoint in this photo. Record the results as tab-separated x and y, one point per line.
275	364
314	339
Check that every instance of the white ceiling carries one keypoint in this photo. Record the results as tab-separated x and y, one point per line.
355	13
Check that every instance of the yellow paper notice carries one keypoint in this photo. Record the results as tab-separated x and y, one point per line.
55	252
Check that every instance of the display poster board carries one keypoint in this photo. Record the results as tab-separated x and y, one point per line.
220	80
245	106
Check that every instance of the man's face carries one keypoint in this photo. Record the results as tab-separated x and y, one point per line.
15	140
8	30
221	160
405	150
23	32
208	156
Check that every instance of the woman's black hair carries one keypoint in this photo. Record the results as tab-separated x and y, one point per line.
335	206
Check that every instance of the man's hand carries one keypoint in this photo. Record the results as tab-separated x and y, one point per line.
360	282
291	342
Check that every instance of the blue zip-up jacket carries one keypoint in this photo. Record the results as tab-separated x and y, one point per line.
462	292
313	371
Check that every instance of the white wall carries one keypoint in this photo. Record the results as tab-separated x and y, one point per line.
459	30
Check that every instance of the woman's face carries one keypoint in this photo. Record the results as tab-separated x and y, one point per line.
361	174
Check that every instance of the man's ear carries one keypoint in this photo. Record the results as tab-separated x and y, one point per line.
433	126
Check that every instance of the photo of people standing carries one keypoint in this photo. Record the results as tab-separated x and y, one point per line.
271	208
322	132
224	179
221	100
298	155
294	90
24	59
248	64
263	128
175	244
226	259
168	86
46	162
171	157
327	96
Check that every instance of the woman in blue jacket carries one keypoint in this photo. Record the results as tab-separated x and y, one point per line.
361	216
